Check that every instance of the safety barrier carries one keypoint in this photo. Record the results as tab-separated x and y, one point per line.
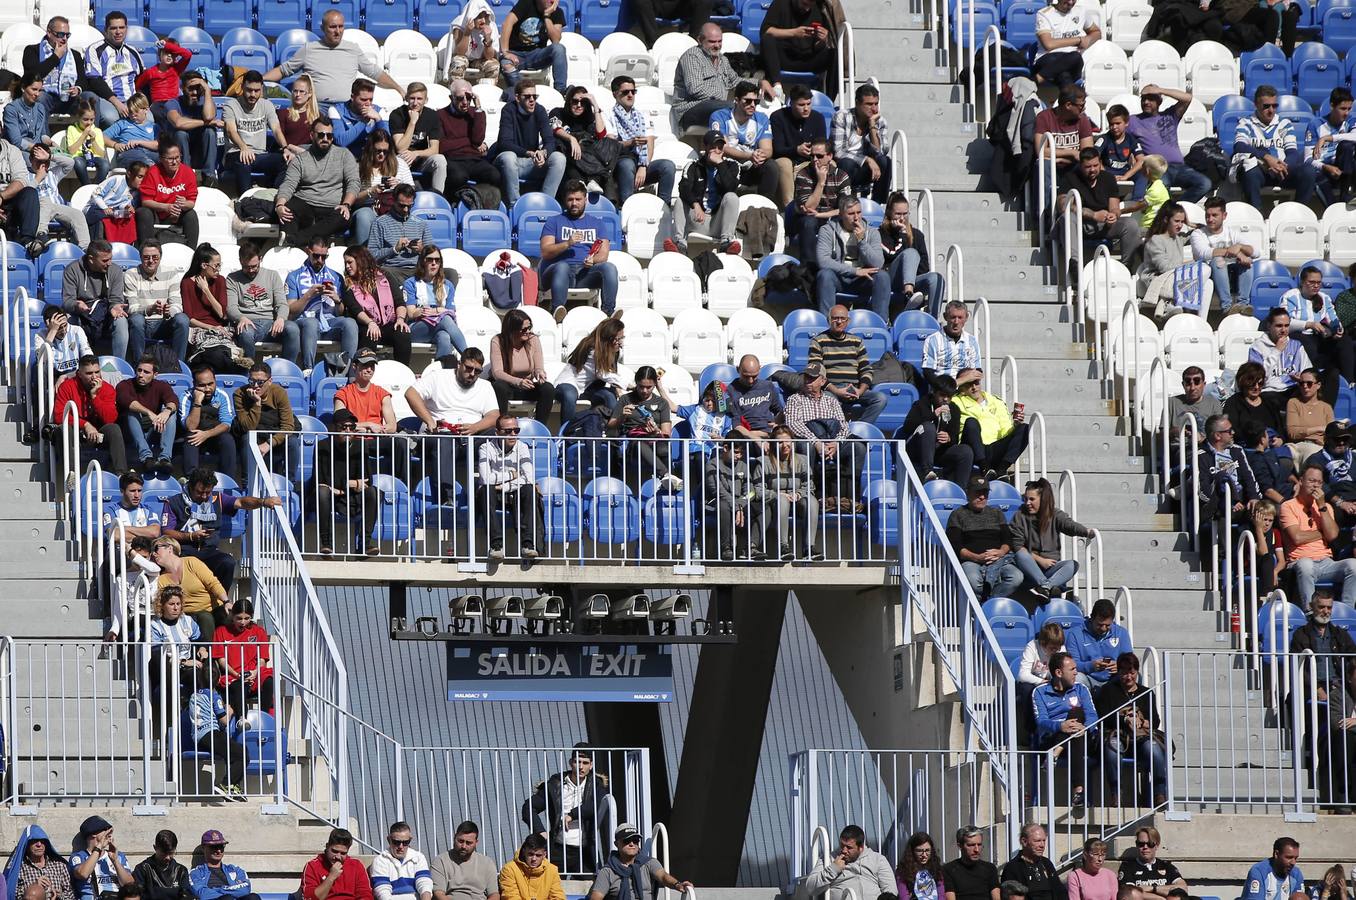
845	61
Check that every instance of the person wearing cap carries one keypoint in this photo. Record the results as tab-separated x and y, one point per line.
331	875
160	875
1002	435
462	872
1335	457
851	261
370	403
530	875
814	414
571	803
846	366
100	868
40	865
508	483
341	483
630	875
708	198
216	879
400	870
979	534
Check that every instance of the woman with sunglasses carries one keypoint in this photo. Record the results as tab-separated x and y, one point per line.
1250	408
518	368
379	170
906	257
429	305
580	129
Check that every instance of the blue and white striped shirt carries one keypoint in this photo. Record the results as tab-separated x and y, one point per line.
118	66
947	357
1277	139
631	123
408	877
1302	309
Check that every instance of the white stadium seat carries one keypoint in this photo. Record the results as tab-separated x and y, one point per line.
727	291
409	56
547	331
1106	71
582	63
470	291
479	324
1250	226
1339	234
698	338
633	290
646	221
622	53
753	331
579	322
1212	71
1295	236
1156	62
648	341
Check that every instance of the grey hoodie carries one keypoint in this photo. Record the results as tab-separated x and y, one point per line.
832	248
869	876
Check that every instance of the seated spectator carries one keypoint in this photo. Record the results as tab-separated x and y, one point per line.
710	420
1308	530
1162	256
979	534
919	874
1337	757
861	144
168	194
51	205
1251	408
400	870
952	349
155	309
1142	868
1120	150
578	127
637	168
216	879
843	356
1336	458
256	306
1314	323
96	411
736	497
748	140
529	40
508	482
932	434
1266	152
333	872
462	872
208	415
1035	533
430	306
111	68
207	727
370	300
211	338
850	259
332	62
795	128
1326	641
341	482
1070	131
111	210
261	405
160	875
646	875
906	259
1030	869
703	80
1306	417
1063	32
149	414
574	253
814	414
1157	134
530	875
591	370
1034	668
68	342
1092	880
1096	645
1275	482
708	199
855	867
25	119
135	137
397	237
457	401
517	366
318	190
42	866
785	477
1064	710
313	297
194	121
18	201
416	131
202	592
92	293
1222	463
1002	435
756	399
380	172
249	120
161	82
800	36
526	152
644	415
475	43
98	867
173	636
1334	156
1269	558
358	119
970	876
370	403
1278	876
135	518
819	188
1230	260
1101	206
463	142
194	519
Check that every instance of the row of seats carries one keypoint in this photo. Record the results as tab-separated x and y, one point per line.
1013	627
904	337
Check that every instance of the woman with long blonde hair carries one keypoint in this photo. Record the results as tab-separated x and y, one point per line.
296	119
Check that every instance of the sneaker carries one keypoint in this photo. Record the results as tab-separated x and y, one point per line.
560	314
1244	308
816	556
594	187
1078	806
529	552
727	554
671	483
373	549
236	792
758	555
732	248
670	246
327	551
35	247
786	554
918	300
163	465
223	790
496	553
930	476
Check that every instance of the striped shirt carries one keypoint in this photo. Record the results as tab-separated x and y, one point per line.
802	408
625	124
945	356
387	230
118	66
1277	139
408	877
1302	309
181	633
848	144
1328	155
699	77
46	188
836	184
843	357
746	137
144	291
66	352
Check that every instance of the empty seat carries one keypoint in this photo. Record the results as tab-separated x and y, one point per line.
698	339
648	341
1106	71
1211	70
1294	232
753	331
407	55
386	17
1156	62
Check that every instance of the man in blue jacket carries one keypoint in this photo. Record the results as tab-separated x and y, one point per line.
526	151
215	879
1097	643
1277	878
1065	715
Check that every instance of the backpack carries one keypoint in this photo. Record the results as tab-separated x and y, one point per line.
1208	157
890	369
757	229
480	196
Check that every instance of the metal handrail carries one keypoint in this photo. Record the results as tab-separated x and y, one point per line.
847	66
1046	192
1245	597
990	57
1036	449
1101	315
980	328
1072	250
899	160
1185	449
1007	366
925	205
956	278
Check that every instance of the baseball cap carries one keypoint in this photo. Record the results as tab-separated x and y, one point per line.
213	837
94	825
711	138
365	358
812	370
342	417
976	487
1340	430
626	832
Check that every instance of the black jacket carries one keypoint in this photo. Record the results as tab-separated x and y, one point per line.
789	132
893	245
337	465
162	881
692	189
1305	635
545	801
1213	480
1042	883
922	413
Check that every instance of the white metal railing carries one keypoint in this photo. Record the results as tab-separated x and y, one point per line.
899	162
1099	309
1046	184
927	220
991	56
981	328
1009	384
1036	455
953	270
1070	258
845	57
1330	743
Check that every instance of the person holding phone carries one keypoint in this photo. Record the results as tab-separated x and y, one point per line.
313	292
574	253
518	368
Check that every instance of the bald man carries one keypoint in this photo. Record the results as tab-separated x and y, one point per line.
758	400
703	80
333	64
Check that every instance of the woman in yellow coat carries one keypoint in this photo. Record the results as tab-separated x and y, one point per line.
530	876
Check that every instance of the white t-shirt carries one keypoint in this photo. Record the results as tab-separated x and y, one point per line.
1060	25
448	401
570	796
1204	244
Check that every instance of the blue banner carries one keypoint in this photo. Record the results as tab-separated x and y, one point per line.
586	673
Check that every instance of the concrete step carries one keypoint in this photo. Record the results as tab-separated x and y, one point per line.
102	728
38	529
1090	425
1021	337
248	830
1068	395
1142	570
1021	314
967	201
994	238
1082	370
40	560
66	615
1115	540
1061	457
1093	484
1008	279
27	510
25	496
47	667
975	215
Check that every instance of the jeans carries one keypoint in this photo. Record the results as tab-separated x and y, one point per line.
363	217
567	395
1309	572
522	504
1002	453
270	165
134	154
107	113
1001	577
1225	274
290	339
342	329
444	335
199	147
1300	179
1150	758
866	408
561	276
23	210
1194	183
904	272
222	446
148	227
1053	579
700	114
312	221
720	224
552	55
141	437
859	176
173	330
806	229
82	174
829	283
659	171
520	171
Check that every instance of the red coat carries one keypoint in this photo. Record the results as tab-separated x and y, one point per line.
162	84
353	884
161	188
101	411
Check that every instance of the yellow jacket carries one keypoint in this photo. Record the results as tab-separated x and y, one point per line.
518	882
992	414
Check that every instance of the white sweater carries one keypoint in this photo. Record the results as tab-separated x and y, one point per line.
1035	665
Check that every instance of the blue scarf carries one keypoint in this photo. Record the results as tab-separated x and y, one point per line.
630	876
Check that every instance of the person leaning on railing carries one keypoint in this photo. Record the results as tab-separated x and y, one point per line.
736	497
625	876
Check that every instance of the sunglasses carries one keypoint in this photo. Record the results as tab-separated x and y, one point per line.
473	370
527	96
1307	383
748	99
1193	381
821	156
1268	105
61	34
626	92
216	848
509	430
467	97
324	135
399	843
526	329
1145	844
380	151
577	101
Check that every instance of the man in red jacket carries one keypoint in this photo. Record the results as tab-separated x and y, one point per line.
332	875
168	194
96	412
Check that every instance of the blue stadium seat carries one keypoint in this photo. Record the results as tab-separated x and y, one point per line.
528	217
23	273
1339	28
222	15
1345	407
279	366
436	16
1067	613
1236	106
100	489
280	17
882	513
751	16
135	12
433	208
288	42
501	9
51	264
899	399
944	497
1317	70
155	490
139	37
394	518
1020	23
666	517
879	455
1005	497
599	18
798	328
1265	65
611	512
1320	9
716	372
352	10
1344	617
545	449
231	383
322	396
298	392
116	365
986	14
312	432
561	511
168	15
874	332
612	229
386	16
430	510
205	52
484	231
1334	279
821	103
178	382
1289	106
873	214
1011	627
1281	617
1267	288
247	48
126	256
